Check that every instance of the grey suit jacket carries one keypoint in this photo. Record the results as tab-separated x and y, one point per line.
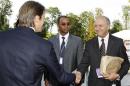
73	51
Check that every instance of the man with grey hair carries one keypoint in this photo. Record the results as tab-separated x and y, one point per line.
103	44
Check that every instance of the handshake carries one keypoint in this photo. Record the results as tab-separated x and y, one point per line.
78	76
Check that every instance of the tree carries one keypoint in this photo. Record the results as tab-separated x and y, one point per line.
87	21
90	32
98	11
46	26
54	13
84	20
45	33
126	10
75	25
116	26
5	10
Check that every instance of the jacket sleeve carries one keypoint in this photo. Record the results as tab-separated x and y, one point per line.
125	65
83	66
56	70
79	51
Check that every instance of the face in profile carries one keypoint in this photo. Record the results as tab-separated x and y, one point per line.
101	27
38	23
64	25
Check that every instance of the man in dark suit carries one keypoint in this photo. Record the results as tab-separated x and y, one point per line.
113	46
24	56
73	47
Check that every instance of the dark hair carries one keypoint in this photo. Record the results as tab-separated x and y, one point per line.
58	20
27	13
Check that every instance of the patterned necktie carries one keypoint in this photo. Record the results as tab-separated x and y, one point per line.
102	48
62	49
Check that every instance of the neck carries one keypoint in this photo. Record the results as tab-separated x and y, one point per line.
104	35
63	34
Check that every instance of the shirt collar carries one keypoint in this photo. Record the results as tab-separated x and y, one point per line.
105	38
66	36
32	28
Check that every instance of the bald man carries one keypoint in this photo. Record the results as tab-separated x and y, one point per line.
113	46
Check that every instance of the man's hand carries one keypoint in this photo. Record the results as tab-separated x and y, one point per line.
112	76
46	82
78	77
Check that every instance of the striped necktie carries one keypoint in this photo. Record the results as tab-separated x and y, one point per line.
62	49
102	48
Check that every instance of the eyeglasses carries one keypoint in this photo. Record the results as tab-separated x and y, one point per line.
63	24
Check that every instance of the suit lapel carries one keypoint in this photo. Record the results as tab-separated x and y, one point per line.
110	45
57	45
69	42
68	50
96	48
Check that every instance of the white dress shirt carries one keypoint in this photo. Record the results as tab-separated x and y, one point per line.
106	38
66	39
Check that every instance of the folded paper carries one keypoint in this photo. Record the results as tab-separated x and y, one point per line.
110	64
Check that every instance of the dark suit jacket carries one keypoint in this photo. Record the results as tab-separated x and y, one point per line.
92	58
24	57
73	52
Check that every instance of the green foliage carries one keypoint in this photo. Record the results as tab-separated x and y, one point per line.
54	13
5	6
50	20
126	16
84	19
5	10
90	32
98	11
116	26
4	25
46	26
75	25
82	25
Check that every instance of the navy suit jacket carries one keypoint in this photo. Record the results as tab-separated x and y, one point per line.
92	58
24	57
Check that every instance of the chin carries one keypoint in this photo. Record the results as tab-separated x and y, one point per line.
100	35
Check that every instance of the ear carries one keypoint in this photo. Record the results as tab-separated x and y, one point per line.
36	19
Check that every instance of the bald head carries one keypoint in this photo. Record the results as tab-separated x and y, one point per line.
106	19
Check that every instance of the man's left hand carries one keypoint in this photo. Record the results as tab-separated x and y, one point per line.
112	76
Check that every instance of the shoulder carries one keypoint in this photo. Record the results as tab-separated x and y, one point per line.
93	40
46	42
75	37
116	39
45	45
53	37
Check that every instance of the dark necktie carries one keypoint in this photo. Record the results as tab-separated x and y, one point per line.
102	48
62	49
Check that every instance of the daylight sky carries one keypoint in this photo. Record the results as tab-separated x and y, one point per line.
111	8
